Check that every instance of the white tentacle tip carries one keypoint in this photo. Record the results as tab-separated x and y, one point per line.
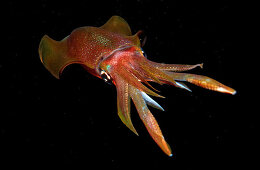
150	101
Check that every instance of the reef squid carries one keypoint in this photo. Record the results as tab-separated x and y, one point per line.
111	52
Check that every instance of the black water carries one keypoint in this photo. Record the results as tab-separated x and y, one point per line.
73	121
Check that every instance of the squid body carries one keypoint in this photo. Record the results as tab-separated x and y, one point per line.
112	53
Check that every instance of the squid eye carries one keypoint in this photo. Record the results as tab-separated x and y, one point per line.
142	37
106	77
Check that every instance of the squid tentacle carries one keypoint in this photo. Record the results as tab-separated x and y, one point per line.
152	71
140	71
134	72
175	67
146	74
123	103
202	81
143	76
149	120
129	77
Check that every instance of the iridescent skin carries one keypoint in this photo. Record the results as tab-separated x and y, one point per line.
111	52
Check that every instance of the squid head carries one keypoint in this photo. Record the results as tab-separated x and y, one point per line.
112	53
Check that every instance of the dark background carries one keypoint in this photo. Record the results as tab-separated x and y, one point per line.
73	121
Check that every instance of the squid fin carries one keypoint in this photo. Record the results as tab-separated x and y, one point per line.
117	25
135	38
53	55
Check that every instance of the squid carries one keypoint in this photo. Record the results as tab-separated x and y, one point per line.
111	52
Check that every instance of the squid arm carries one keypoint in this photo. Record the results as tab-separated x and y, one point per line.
123	103
149	120
175	67
202	81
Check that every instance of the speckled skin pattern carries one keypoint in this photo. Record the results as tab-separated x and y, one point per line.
91	44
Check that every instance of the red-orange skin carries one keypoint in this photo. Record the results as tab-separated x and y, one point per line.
90	45
112	51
